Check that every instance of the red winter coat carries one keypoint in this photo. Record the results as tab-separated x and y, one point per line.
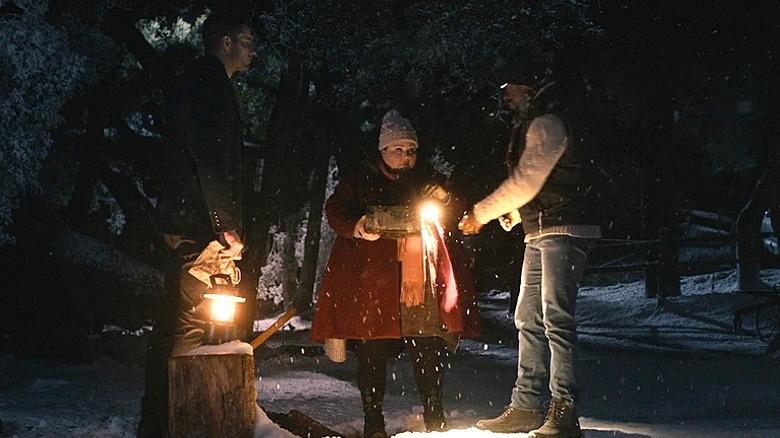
360	293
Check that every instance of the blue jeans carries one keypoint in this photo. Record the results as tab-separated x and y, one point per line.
552	271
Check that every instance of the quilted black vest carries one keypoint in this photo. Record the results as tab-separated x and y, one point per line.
568	197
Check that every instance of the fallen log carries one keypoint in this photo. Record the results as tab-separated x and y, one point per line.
300	424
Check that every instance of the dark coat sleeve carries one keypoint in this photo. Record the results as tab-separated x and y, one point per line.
216	148
344	208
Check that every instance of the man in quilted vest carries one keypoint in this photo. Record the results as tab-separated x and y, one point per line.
550	193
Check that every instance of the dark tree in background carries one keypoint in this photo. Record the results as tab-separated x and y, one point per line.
678	100
686	101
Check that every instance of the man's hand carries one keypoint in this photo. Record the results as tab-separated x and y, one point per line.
437	192
469	225
361	233
235	246
509	220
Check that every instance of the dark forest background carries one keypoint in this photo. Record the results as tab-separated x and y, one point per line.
677	99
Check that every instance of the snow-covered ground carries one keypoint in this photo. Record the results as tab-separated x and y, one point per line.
680	369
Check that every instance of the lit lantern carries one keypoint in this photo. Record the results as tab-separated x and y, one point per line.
221	327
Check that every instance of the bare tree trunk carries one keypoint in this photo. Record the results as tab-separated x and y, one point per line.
291	278
90	161
279	140
139	231
319	179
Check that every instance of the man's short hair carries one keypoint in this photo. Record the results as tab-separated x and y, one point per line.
220	24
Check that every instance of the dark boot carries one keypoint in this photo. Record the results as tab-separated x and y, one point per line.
371	376
433	416
433	412
561	422
430	387
513	420
374	424
427	354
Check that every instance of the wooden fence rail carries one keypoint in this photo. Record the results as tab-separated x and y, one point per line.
662	266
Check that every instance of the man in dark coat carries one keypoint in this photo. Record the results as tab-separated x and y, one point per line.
201	202
551	191
378	291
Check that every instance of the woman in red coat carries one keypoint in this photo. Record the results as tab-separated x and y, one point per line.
379	291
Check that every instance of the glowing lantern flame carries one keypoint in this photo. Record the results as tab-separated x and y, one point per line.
223	307
224	298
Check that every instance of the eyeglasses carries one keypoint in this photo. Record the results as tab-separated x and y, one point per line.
400	151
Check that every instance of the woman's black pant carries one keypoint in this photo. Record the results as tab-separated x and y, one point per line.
427	355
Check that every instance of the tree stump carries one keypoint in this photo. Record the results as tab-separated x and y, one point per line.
212	395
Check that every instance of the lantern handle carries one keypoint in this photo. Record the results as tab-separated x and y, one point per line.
225	277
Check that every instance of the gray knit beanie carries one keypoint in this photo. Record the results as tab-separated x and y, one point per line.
395	128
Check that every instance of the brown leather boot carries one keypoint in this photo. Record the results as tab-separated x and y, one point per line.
561	422
513	420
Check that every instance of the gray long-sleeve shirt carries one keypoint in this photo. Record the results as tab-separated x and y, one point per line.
545	142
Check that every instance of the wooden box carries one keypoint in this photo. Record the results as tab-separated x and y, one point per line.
392	222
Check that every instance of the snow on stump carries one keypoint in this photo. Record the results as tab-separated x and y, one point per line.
212	392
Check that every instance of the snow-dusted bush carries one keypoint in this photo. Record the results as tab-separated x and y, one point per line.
161	34
440	163
270	286
38	73
42	66
279	276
